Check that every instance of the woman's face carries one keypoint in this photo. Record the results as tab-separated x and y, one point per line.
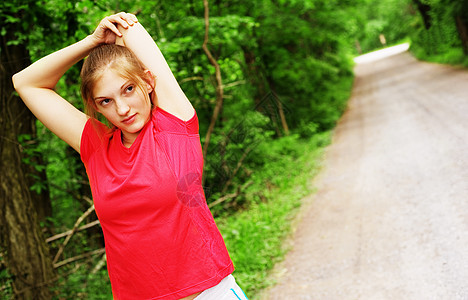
123	104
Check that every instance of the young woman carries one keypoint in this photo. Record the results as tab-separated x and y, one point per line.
145	171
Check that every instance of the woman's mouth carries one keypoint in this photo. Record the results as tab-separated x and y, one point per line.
129	120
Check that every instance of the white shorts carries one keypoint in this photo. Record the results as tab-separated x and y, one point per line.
227	289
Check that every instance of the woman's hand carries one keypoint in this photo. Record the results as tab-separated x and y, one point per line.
106	32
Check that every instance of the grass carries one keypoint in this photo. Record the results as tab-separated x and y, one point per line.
451	56
255	237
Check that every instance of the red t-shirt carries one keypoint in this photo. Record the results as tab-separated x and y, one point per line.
161	239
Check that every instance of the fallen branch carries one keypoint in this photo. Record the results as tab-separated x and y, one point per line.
64	234
100	264
78	257
230	196
89	200
74	229
191	79
239	82
222	199
238	166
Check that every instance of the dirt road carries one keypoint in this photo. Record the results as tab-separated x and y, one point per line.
390	218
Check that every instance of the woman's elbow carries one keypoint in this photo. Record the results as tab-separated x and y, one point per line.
16	79
19	81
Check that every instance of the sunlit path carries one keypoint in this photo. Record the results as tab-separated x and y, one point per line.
390	218
381	54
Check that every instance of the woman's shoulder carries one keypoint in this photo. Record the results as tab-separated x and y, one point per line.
95	134
169	122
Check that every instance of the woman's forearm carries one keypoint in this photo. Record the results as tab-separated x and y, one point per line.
46	72
138	40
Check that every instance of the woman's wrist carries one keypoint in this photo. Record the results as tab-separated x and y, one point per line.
90	42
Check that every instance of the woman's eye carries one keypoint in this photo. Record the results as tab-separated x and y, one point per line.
129	88
105	102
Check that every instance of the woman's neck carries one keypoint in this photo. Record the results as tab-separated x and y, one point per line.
128	139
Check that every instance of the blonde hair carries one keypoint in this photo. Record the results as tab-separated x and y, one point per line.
118	59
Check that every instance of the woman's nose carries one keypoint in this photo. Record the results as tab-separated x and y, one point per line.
122	107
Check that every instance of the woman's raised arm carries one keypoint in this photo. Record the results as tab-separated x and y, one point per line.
170	95
36	83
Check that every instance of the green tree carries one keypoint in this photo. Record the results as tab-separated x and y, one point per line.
460	14
377	24
23	246
439	30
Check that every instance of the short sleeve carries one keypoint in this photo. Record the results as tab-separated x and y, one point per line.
181	143
167	122
92	138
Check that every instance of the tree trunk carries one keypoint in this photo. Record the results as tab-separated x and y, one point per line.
255	75
462	32
26	253
424	11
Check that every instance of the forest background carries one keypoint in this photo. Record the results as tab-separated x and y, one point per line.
269	80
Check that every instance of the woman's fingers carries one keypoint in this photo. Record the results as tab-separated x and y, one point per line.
129	18
108	27
123	19
109	24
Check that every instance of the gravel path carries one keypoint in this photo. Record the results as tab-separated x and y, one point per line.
390	218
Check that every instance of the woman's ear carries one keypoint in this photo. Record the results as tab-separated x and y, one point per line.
150	82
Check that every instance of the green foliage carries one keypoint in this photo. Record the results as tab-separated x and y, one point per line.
62	172
390	18
441	35
82	284
435	27
6	291
234	148
32	156
302	60
441	42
